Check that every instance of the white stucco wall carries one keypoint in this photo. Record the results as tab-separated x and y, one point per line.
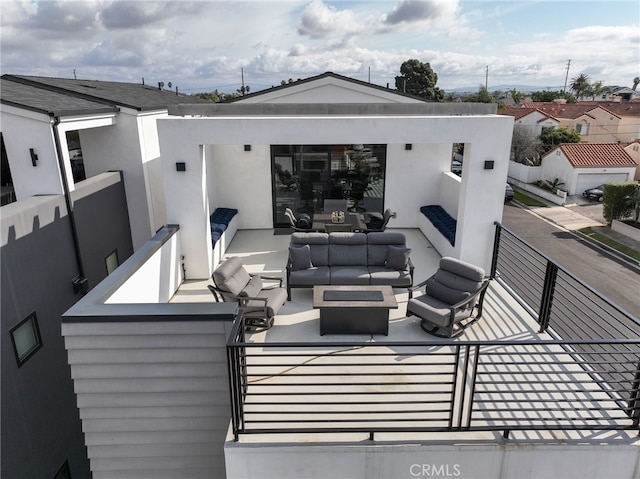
487	137
131	146
22	130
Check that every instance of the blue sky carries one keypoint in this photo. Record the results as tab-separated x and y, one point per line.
204	45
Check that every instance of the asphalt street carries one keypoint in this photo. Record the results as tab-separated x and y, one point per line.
615	279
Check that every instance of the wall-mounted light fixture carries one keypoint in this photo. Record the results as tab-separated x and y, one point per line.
181	166
247	147
408	146
488	165
34	157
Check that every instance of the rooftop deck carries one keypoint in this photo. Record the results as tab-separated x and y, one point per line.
501	375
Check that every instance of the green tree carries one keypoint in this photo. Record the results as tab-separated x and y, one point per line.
548	95
419	79
597	89
552	137
636	82
580	85
483	96
517	96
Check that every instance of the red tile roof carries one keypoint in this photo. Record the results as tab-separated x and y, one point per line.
567	110
584	155
624	108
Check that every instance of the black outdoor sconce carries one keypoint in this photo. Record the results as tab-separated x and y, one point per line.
34	157
247	147
408	146
488	165
181	166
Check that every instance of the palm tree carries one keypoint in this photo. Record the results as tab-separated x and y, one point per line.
580	84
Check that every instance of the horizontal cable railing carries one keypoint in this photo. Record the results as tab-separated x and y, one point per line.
586	377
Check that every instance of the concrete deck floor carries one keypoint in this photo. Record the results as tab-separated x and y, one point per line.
504	319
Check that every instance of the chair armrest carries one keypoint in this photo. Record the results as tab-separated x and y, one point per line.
272	278
411	289
465	302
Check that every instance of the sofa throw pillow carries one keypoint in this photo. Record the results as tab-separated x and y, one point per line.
300	257
397	257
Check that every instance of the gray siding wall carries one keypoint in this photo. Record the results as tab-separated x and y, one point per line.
41	428
153	396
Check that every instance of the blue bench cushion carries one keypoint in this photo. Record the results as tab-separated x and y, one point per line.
219	221
441	220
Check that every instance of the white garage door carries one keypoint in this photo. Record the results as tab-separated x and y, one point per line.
590	180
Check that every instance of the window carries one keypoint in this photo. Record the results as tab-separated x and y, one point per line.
582	128
26	338
111	261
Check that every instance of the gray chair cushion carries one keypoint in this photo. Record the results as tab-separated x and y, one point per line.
444	293
451	280
231	276
300	257
461	268
276	297
433	310
397	257
252	288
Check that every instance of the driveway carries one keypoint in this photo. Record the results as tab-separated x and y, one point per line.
590	209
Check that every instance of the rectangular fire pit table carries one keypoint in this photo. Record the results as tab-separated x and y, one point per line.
354	309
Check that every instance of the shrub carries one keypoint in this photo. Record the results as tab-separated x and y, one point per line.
619	200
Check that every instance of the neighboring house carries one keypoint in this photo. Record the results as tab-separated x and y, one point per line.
581	166
115	124
633	149
530	118
594	123
618	93
82	189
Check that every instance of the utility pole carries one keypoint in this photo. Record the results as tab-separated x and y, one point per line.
242	74
486	78
566	77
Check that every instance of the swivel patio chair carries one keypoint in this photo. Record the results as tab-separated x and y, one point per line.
303	223
377	223
259	304
449	299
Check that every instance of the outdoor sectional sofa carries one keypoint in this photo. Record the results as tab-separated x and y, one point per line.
380	258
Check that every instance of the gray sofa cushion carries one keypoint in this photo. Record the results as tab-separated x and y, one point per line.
300	256
380	275
349	275
347	249
397	257
318	244
311	276
378	245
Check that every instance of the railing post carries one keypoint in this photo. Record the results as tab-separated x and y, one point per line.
496	250
546	301
634	400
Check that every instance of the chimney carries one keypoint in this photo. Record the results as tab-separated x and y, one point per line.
561	101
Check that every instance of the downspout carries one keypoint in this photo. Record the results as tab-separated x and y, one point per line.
80	283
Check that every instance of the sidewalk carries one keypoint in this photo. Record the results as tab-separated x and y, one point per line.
573	221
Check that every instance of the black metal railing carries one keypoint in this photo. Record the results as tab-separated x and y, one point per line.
581	375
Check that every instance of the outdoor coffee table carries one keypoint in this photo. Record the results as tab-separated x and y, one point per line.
354	309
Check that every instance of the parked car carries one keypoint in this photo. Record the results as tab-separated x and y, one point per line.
508	193
594	194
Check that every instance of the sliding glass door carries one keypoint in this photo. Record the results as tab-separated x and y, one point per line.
305	175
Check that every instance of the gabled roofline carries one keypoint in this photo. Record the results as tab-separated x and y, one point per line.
321	76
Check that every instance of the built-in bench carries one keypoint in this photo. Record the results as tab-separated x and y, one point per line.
441	220
224	225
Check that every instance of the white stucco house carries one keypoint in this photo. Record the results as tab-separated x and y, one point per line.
115	123
581	166
230	151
